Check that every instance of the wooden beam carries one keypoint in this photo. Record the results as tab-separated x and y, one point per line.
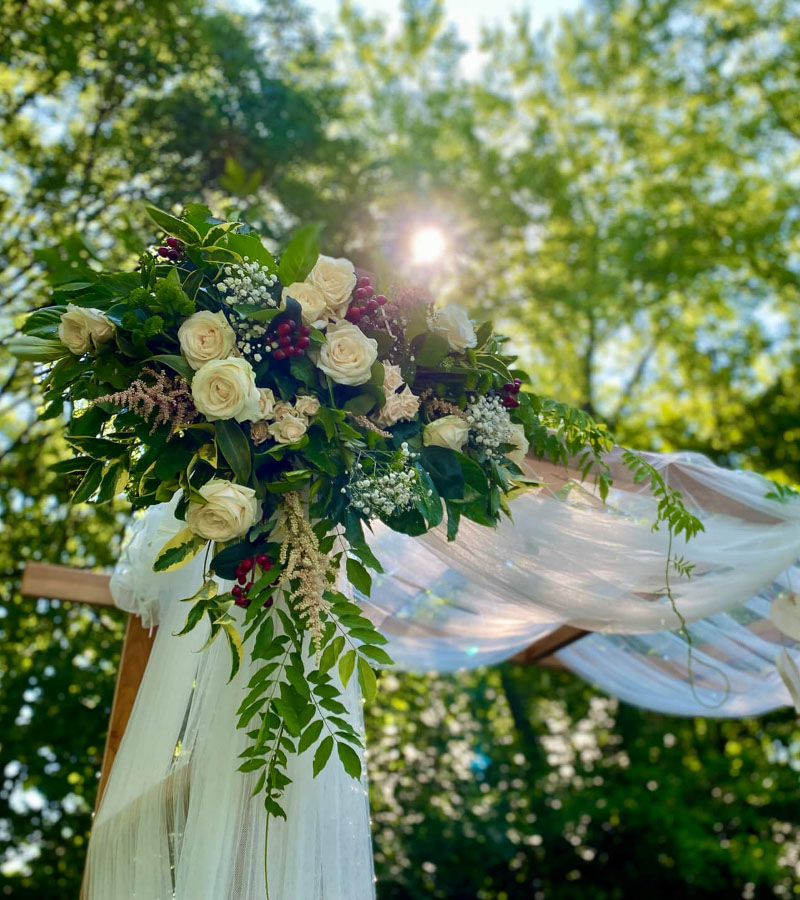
549	644
66	583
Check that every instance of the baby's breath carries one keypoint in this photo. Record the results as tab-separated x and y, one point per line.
489	424
248	283
382	488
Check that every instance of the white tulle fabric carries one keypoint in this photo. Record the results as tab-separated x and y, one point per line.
177	820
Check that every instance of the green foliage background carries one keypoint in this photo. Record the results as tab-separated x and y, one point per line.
620	192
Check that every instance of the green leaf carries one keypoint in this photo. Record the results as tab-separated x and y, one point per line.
331	653
367	680
36	349
322	755
300	254
430	350
250	245
176	227
378	654
445	470
235	447
178	550
310	736
176	363
350	760
89	484
346	665
358	576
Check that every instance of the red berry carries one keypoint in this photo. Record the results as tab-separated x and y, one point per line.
516	388
284	341
361	293
353	315
242	601
236	591
279	355
305	331
290	351
508	387
163	251
292	324
268	602
299	351
174	255
372	305
246	589
246	565
264	561
174	243
517	382
303	342
284	328
364	282
381	300
508	401
241	577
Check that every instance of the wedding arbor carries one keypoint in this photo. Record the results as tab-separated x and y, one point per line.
574	579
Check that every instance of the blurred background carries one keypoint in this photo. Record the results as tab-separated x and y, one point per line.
616	183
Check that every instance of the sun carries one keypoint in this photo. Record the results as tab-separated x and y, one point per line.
428	245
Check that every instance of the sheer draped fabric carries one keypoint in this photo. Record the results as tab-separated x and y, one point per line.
177	820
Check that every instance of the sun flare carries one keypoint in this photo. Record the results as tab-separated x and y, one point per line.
428	245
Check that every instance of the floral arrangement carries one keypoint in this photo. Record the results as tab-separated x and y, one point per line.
289	403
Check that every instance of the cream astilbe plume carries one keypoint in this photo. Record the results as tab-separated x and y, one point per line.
303	561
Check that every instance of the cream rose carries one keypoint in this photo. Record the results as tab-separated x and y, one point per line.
449	431
335	279
226	389
205	336
453	324
347	354
82	330
229	512
288	429
520	442
282	409
306	406
314	309
401	405
266	404
259	432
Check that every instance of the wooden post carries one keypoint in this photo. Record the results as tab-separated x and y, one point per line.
79	586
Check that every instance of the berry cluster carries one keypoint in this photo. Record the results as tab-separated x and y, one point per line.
510	391
246	576
364	300
172	251
290	340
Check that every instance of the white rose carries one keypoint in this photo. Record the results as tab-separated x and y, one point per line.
335	279
266	404
226	389
205	336
347	354
449	431
314	309
229	512
787	669
400	405
82	329
453	324
288	429
518	439
785	614
306	406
